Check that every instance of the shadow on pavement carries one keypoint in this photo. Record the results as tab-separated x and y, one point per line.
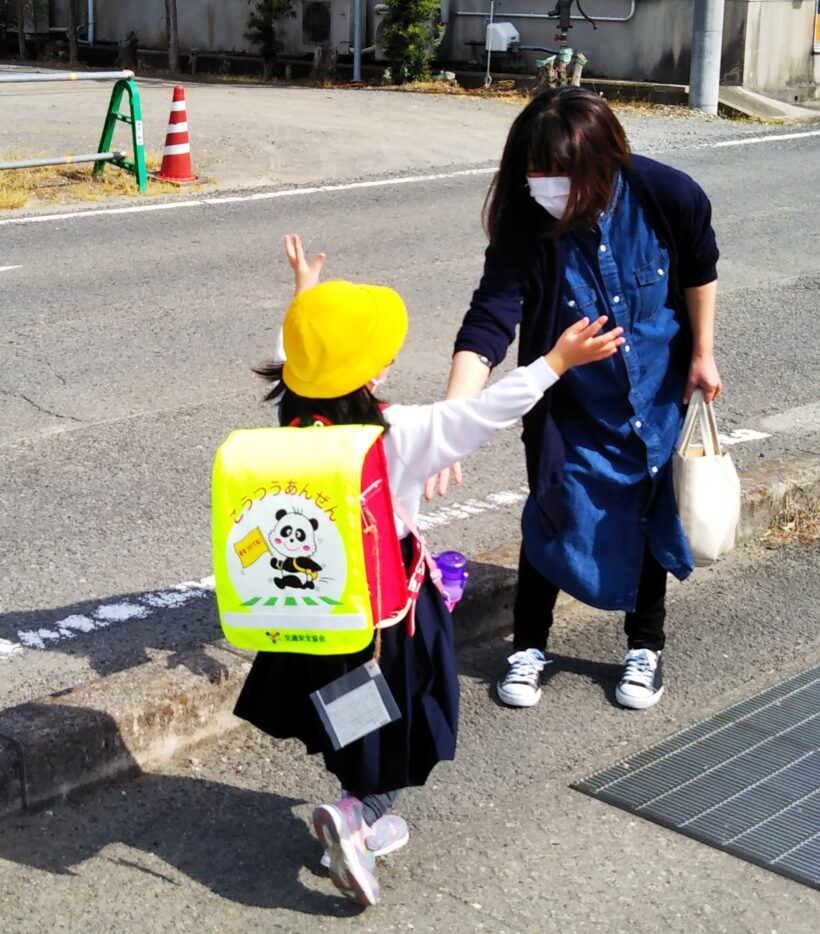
245	846
117	633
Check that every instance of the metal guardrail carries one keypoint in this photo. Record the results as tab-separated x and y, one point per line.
125	85
25	77
64	160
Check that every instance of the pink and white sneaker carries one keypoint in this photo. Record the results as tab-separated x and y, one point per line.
340	828
386	835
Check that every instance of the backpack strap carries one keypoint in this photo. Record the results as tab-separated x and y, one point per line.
422	565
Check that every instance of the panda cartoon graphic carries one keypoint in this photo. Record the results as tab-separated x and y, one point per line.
293	542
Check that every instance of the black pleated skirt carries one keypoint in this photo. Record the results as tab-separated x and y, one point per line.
421	673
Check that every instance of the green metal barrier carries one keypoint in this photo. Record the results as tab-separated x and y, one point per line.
133	118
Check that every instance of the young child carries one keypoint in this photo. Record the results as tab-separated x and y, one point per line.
339	340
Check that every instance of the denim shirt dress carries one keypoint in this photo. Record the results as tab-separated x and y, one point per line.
619	419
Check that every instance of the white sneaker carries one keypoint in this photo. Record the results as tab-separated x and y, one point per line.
521	686
641	683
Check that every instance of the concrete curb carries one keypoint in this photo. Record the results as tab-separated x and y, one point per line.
112	728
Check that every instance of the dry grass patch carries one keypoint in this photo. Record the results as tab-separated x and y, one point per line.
795	525
66	184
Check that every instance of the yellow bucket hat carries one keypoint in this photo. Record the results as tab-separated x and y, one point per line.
339	335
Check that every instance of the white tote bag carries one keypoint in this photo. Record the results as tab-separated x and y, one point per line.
707	487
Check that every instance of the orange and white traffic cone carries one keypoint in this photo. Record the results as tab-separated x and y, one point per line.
176	157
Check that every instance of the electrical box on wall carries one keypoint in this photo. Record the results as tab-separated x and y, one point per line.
501	37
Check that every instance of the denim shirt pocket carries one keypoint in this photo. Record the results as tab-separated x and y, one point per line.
653	286
579	301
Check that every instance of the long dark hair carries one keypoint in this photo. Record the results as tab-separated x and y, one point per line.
567	131
359	407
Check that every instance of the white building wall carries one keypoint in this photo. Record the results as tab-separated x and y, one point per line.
213	25
767	44
779	57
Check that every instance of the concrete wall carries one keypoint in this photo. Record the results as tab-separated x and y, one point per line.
767	44
654	45
214	25
779	57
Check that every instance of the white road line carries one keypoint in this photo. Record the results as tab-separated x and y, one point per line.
256	196
69	216
325	189
740	435
7	268
101	617
774	138
471	507
8	649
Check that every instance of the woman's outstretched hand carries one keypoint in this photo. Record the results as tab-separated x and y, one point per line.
305	274
581	343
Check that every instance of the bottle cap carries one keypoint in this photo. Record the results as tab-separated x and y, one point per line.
451	563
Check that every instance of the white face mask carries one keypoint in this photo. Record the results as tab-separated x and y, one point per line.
552	194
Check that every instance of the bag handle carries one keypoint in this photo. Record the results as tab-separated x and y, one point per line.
700	410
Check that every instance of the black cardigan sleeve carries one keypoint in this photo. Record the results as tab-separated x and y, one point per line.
489	327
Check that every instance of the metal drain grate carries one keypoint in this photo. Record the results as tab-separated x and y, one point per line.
746	780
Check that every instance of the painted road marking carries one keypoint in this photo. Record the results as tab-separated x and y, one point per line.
7	268
740	435
7	648
257	196
470	508
326	189
138	607
774	138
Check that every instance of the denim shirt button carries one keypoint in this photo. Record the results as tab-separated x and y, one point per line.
654	469
660	272
603	248
627	348
616	299
639	424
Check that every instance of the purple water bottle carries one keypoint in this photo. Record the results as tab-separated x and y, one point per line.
453	567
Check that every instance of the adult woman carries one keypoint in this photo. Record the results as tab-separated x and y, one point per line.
580	227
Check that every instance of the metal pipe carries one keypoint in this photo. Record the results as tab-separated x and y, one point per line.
90	22
64	160
598	19
357	40
27	76
707	45
488	78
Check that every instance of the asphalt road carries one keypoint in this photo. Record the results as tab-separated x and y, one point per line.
218	840
126	352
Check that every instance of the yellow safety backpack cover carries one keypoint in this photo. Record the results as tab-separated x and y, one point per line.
288	542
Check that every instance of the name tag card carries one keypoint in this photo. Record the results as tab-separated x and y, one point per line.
356	704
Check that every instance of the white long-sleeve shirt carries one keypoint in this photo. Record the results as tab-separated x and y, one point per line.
424	439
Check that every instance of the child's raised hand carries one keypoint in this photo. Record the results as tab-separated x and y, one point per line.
581	343
305	274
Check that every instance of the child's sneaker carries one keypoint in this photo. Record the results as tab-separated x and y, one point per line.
340	828
641	683
388	834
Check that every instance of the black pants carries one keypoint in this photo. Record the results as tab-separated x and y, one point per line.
536	596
